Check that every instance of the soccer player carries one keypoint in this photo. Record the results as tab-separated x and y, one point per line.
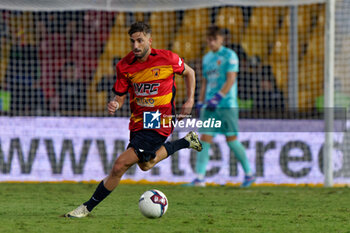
147	74
218	99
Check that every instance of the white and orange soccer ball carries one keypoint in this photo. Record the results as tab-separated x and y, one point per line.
153	204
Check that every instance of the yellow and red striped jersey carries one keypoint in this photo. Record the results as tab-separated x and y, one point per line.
151	85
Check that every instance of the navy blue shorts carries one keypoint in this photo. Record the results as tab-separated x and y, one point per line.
146	143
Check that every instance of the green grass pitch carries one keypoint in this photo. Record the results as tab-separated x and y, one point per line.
37	208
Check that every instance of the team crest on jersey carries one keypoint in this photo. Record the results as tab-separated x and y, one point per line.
156	72
218	62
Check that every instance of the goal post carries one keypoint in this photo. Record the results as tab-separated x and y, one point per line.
329	92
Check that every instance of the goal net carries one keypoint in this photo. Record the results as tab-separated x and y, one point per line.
59	59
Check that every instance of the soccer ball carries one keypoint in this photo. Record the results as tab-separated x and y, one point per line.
153	204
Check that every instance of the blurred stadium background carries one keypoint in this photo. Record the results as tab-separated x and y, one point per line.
57	69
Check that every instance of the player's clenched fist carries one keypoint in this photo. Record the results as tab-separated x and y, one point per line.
112	106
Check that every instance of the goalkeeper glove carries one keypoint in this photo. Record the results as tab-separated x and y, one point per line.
213	102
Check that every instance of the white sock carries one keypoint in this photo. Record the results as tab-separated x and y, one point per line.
200	177
249	174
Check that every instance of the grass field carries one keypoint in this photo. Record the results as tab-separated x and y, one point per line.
37	208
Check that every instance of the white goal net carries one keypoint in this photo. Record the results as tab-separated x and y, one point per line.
58	59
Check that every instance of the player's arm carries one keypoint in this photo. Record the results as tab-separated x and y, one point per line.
120	89
190	81
116	103
231	73
201	97
203	90
230	80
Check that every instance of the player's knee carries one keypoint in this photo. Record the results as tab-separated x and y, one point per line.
118	170
145	166
206	138
231	138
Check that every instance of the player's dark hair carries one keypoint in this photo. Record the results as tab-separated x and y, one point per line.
139	27
214	31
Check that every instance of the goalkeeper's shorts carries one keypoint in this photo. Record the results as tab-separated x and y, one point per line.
228	118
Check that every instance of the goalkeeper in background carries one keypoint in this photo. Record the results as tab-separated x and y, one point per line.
218	99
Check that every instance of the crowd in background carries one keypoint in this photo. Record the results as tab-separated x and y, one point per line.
52	58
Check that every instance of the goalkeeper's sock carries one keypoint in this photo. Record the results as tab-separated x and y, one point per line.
100	193
239	151
202	160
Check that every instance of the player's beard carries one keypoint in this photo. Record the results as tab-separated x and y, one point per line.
142	54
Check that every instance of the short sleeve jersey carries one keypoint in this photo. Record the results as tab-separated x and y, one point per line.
151	85
216	65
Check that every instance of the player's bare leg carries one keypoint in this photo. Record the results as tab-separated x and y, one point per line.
161	154
121	165
206	138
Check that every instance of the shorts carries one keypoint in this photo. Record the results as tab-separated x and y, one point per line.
228	118
146	143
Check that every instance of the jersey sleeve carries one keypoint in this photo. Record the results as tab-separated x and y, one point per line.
232	62
177	63
121	85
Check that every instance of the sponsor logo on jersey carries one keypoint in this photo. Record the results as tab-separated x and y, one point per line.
214	73
145	102
144	89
